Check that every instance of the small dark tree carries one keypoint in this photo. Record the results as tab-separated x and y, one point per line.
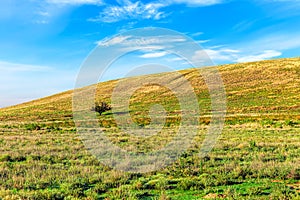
101	108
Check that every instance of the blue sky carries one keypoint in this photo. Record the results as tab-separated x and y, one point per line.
44	42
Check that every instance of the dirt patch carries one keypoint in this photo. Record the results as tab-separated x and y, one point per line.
214	196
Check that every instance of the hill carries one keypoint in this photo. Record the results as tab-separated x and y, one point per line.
265	87
257	156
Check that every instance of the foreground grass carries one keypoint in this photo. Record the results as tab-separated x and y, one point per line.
256	157
261	163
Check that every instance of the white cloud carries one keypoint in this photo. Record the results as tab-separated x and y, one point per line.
126	9
266	47
47	11
16	67
196	2
243	25
154	55
138	10
232	55
224	54
130	10
176	59
196	34
202	41
45	14
149	43
75	2
23	82
279	41
41	22
113	41
267	54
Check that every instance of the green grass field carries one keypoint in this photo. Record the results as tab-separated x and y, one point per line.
256	157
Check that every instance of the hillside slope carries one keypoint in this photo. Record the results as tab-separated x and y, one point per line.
253	89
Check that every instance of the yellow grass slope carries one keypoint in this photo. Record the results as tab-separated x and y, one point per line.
266	88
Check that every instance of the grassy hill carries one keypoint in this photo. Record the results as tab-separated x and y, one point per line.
257	156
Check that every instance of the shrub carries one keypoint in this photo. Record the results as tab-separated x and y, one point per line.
101	108
32	127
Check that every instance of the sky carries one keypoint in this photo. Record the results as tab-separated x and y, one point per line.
43	43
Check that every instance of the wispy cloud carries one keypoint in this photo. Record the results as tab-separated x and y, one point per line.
40	21
139	10
113	41
265	47
202	41
196	34
222	54
17	67
43	13
243	25
279	41
142	43
280	9
75	2
154	55
227	55
23	82
267	54
129	10
195	2
46	11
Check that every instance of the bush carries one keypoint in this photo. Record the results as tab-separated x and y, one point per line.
101	108
32	127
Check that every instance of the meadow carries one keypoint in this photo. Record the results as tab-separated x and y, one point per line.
256	157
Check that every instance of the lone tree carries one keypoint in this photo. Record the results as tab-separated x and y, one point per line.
101	108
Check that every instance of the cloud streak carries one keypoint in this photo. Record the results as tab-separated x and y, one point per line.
113	41
17	67
23	82
76	2
154	55
195	3
150	43
129	10
267	54
222	54
139	10
228	55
